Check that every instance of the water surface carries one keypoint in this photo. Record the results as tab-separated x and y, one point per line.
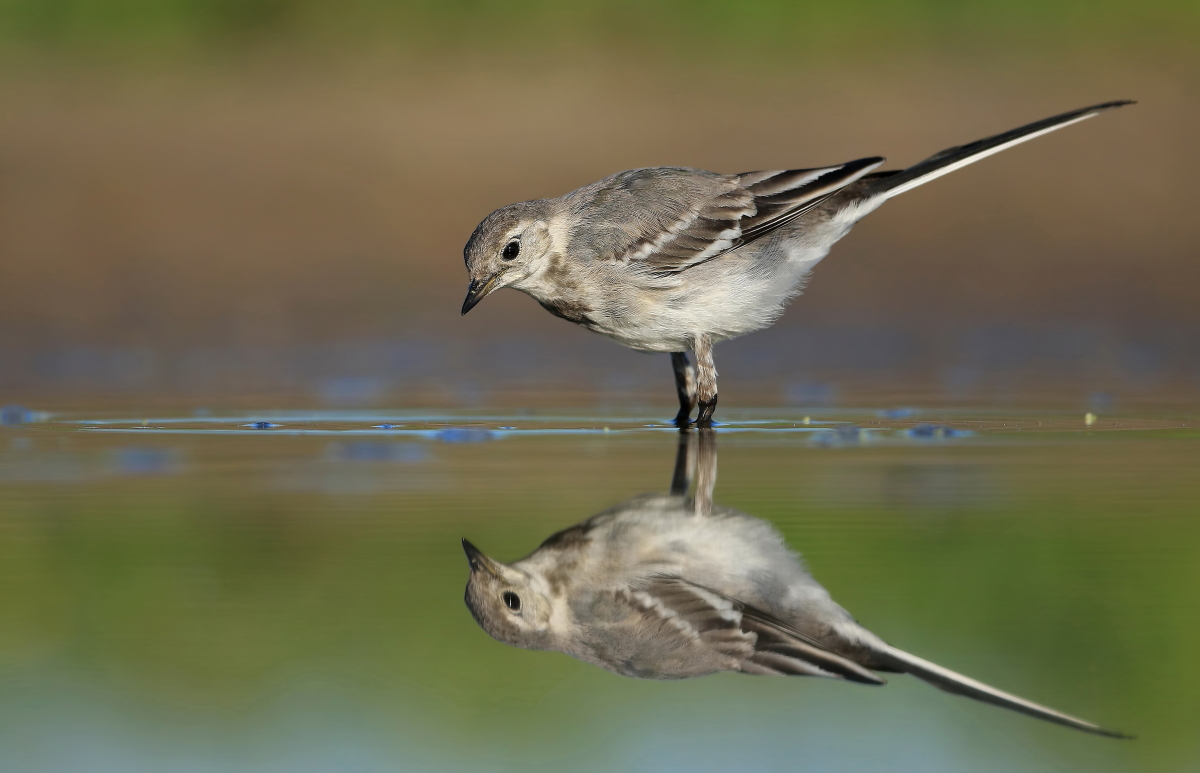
281	592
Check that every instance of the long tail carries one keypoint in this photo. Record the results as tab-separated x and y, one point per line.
945	679
955	158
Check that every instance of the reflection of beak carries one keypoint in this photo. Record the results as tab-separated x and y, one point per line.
479	562
477	290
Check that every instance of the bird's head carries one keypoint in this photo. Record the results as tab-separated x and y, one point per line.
509	247
504	602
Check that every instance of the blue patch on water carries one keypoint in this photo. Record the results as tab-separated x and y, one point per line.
897	413
145	461
463	435
262	425
936	432
12	415
841	435
385	426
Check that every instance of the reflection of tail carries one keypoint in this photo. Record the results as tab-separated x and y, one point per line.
888	184
945	679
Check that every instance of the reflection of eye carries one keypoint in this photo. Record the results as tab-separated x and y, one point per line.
511	250
512	601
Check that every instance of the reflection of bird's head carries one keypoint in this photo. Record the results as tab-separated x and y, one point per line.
503	601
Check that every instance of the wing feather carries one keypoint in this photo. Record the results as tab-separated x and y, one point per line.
669	219
753	641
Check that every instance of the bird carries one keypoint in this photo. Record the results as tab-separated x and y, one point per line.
674	259
672	587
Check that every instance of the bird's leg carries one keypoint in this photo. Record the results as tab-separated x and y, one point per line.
685	387
706	381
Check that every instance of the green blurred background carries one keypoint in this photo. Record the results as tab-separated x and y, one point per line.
900	26
236	199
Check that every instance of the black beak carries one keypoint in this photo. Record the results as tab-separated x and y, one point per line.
476	291
479	562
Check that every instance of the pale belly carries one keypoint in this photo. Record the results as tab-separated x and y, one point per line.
720	299
713	300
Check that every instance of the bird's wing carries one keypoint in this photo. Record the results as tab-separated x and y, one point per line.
759	642
668	219
782	196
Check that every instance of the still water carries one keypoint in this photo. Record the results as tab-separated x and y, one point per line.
284	592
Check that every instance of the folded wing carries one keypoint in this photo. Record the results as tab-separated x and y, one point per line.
748	639
669	219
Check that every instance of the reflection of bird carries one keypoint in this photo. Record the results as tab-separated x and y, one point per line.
665	587
675	260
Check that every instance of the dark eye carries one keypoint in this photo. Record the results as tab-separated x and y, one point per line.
511	250
512	601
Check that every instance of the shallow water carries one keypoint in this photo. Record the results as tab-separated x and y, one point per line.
282	592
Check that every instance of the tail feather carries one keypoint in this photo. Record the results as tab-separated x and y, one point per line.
951	159
945	679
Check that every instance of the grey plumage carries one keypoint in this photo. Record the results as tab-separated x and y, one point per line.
667	587
674	260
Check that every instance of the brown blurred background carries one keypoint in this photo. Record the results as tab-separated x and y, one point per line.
216	202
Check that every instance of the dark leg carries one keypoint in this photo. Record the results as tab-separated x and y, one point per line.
704	417
685	387
706	382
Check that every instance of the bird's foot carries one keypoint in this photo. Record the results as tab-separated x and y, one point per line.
682	419
704	417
